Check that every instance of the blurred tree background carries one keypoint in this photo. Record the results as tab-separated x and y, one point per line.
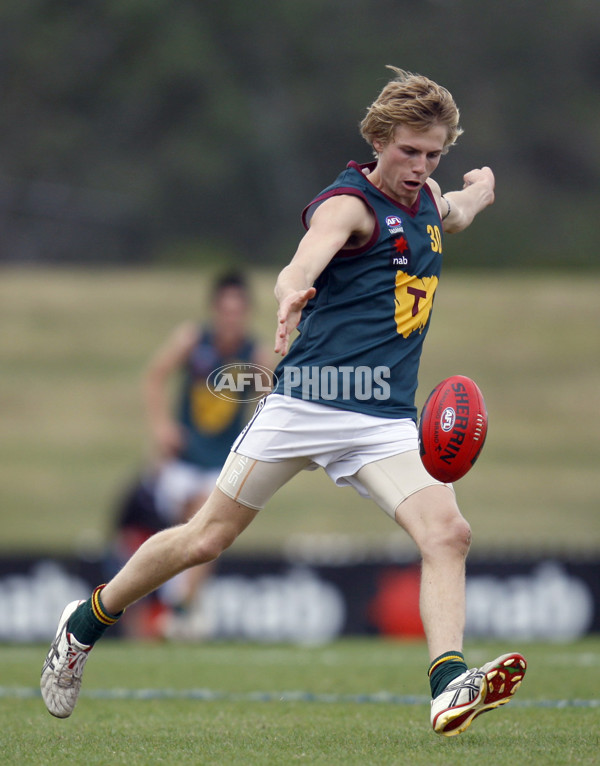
156	131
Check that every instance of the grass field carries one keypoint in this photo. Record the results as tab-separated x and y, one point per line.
355	702
73	345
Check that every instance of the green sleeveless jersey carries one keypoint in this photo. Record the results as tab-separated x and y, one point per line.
360	338
210	423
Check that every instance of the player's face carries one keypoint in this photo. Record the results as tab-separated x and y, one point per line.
407	161
230	313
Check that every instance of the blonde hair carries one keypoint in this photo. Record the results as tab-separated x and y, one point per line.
412	100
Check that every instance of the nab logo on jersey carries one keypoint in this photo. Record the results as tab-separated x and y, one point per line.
399	260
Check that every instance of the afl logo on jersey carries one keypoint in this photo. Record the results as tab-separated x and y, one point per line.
394	224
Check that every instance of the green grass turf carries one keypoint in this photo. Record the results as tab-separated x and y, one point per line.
239	729
73	345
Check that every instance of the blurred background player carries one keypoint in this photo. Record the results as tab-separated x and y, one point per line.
189	444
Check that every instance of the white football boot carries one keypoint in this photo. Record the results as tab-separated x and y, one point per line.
63	668
476	691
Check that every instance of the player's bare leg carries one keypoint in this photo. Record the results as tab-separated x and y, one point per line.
431	517
433	520
203	538
184	618
213	529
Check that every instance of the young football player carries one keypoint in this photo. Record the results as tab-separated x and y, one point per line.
360	290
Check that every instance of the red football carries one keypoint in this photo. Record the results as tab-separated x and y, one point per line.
452	428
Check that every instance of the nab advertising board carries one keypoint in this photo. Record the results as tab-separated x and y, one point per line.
296	600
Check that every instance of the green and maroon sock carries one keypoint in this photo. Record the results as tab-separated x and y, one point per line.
445	669
89	621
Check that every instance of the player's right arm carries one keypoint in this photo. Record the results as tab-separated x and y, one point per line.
165	432
459	208
338	222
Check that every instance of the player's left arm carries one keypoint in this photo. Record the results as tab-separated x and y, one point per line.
459	208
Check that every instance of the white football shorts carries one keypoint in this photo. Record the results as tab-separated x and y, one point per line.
377	456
